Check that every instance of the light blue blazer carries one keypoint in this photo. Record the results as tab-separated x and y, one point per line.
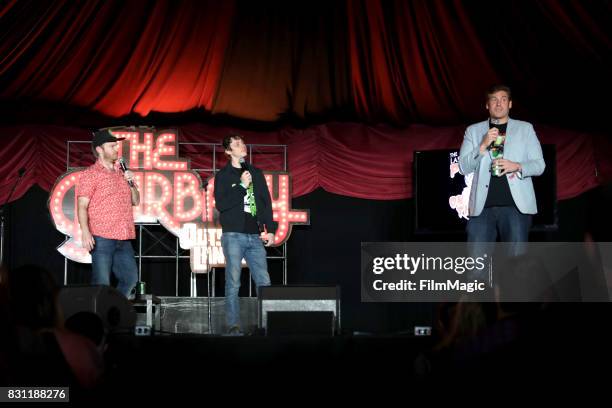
521	146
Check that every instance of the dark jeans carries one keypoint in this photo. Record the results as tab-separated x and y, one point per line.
118	256
512	225
237	246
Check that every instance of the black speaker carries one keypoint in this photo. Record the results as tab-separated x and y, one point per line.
300	323
113	308
290	310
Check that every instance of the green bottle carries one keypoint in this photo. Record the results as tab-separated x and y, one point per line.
497	152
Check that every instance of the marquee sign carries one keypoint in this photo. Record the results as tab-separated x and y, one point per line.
171	194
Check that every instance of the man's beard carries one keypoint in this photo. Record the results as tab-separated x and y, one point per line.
111	158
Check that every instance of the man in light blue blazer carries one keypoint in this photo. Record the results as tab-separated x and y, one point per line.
505	203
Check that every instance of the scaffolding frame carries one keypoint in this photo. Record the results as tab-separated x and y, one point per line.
273	253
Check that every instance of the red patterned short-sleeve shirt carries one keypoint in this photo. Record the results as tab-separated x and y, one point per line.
110	209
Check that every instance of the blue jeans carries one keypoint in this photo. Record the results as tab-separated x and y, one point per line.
237	246
115	255
512	225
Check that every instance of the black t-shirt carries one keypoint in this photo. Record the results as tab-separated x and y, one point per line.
499	190
250	222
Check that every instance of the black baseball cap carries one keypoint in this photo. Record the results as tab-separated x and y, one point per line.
104	136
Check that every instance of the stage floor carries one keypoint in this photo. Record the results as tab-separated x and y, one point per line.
187	315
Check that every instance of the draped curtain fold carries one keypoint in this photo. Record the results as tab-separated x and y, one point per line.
399	62
115	57
370	162
316	70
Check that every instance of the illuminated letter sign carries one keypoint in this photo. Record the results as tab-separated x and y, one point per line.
171	194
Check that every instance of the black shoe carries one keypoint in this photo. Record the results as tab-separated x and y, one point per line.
234	331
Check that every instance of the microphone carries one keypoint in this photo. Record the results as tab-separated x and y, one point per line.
243	165
493	122
20	173
124	169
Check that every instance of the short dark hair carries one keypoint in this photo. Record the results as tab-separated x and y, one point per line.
87	324
33	297
227	140
499	87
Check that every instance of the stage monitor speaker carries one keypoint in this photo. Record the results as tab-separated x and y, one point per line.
113	308
300	323
299	309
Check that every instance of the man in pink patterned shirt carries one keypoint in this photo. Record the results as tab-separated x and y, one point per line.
105	198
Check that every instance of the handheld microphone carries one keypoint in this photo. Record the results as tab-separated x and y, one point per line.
124	169
243	165
493	122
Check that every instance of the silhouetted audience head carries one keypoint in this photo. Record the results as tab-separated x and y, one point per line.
41	352
87	324
457	322
32	293
525	284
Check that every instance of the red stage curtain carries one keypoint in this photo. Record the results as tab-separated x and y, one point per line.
370	162
399	62
420	60
114	57
69	66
